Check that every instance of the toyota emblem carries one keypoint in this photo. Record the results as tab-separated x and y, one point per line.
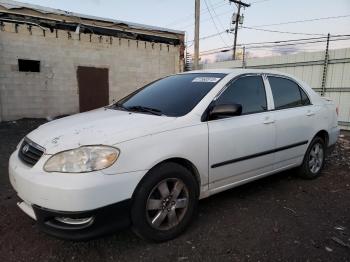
25	149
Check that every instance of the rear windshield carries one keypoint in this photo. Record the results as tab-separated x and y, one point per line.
174	95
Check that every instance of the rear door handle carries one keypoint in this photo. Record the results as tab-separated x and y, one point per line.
268	120
310	113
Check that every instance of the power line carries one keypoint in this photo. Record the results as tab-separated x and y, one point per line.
258	2
290	40
268	47
305	20
281	32
217	29
206	20
277	31
259	29
203	11
216	15
303	41
293	44
208	36
287	22
189	16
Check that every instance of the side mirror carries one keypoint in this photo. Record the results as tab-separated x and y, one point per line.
224	111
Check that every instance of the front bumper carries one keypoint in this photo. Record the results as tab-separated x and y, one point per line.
103	221
70	192
73	198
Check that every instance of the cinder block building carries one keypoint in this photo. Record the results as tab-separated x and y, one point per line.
54	62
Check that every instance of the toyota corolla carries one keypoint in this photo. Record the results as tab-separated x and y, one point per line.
146	160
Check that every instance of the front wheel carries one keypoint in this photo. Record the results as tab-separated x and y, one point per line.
164	202
313	160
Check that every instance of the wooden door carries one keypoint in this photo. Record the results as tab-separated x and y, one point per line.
93	87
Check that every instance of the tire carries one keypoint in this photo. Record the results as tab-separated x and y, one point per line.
164	202
313	160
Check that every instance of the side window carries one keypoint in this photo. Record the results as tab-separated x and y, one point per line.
287	93
249	91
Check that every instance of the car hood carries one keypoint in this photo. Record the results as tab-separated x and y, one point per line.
96	127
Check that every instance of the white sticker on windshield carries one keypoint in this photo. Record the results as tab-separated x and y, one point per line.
206	79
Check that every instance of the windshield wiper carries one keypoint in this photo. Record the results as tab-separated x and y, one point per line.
145	109
120	106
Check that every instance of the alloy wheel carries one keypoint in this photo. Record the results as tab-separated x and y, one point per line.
316	156
167	204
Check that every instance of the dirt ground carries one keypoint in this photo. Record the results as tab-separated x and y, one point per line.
279	218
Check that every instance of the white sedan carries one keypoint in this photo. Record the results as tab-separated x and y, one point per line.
146	160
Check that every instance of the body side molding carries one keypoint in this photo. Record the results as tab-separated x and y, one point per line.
258	154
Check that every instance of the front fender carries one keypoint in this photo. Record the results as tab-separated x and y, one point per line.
143	153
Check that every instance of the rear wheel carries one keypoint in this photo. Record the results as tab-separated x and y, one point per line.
313	159
164	202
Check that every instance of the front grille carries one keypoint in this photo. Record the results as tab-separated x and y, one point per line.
30	152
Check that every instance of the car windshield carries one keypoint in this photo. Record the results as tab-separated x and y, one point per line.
174	95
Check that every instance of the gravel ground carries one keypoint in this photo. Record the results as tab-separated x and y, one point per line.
279	218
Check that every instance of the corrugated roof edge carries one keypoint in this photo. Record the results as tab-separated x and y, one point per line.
9	4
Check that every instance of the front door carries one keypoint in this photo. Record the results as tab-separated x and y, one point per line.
241	147
93	87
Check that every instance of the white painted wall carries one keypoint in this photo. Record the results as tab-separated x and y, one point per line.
338	74
54	91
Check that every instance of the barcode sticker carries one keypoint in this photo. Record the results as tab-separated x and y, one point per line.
206	79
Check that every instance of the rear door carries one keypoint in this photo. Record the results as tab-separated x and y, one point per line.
93	87
294	116
241	147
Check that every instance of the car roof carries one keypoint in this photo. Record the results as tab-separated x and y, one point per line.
232	72
237	71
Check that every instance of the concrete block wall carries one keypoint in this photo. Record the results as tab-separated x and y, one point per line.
54	91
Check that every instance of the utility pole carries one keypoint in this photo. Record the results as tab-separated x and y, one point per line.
196	33
239	3
325	66
243	58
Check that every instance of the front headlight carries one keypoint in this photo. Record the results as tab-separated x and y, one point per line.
82	159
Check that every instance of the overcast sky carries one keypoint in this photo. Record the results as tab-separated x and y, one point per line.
179	15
